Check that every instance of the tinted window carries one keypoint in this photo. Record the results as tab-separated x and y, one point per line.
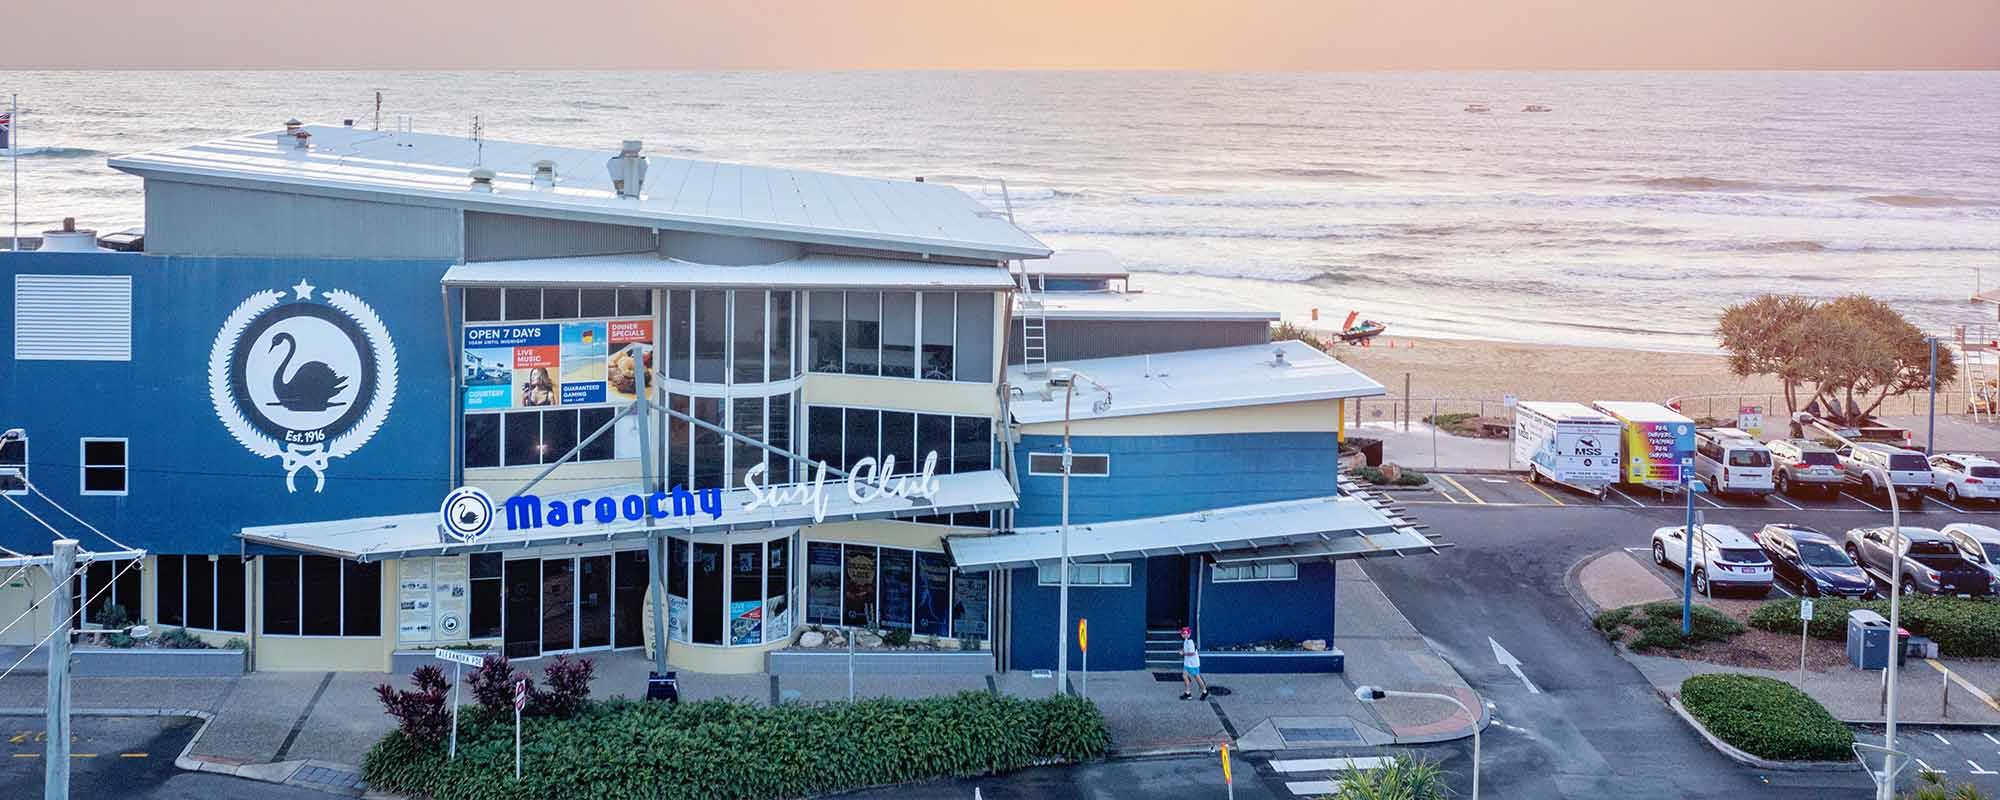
1992	552
482	305
1821	458
1749	458
1822	555
1739	555
1933	548
1908	461
1984	472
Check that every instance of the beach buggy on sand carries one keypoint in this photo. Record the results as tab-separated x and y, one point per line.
1567	444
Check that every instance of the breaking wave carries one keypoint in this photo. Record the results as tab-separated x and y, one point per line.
1924	201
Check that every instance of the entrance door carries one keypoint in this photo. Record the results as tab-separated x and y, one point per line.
522	630
1167	592
558	604
593	601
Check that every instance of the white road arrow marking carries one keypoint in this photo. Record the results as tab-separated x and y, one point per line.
1978	770
1513	664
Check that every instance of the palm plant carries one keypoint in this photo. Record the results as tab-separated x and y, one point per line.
1931	786
1402	779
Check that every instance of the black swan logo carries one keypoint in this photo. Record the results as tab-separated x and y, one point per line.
312	388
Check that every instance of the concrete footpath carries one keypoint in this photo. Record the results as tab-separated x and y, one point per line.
313	728
1929	691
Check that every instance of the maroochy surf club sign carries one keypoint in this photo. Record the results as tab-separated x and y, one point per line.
303	376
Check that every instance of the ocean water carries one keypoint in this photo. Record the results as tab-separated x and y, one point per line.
1626	216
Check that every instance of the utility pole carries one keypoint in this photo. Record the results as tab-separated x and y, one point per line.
1930	435
55	770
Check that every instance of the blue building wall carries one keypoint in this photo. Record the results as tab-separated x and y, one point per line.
1248	612
1117	623
192	485
1157	475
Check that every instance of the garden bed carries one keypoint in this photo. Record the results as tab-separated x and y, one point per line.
1272	662
1766	718
729	750
156	662
1962	627
1748	647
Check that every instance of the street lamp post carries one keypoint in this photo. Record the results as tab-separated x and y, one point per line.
1930	428
1885	788
1687	559
1370	694
1067	378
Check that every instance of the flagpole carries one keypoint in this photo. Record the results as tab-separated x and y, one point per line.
14	158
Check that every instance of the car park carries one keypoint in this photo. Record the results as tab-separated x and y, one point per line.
1878	468
1980	544
1730	461
1724	558
1932	563
1813	561
1960	476
1801	466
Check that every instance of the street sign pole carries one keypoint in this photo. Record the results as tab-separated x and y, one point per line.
520	702
1930	429
1227	780
1805	623
1083	643
454	711
1687	560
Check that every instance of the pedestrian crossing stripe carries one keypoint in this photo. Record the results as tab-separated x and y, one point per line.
1328	764
1313	788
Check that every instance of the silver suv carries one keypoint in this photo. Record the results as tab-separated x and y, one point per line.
1802	465
1880	468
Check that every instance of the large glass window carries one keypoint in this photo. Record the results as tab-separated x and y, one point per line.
969	600
863	430
200	592
864	333
711	335
482	440
629	599
749	330
782	323
229	594
746	594
777	590
825	332
938	336
361	600
709	469
485	601
680	333
888	587
781	438
933	602
899	334
749	421
678	602
897	587
972	444
598	303
103	584
524	304
680	443
934	436
708	593
859	575
843	436
321	596
823	444
482	305
523	444
975	337
169	578
899	439
823	581
281	594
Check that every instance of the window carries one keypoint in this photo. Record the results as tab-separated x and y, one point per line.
711	335
843	436
864	333
824	332
629	598
486	595
708	451
99	585
933	600
524	304
200	573
975	337
680	333
823	443
635	302
1081	465
781	337
321	596
972	444
780	427
198	591
777	590
938	336
749	335
1281	571
970	598
598	303
521	438
863	436
482	440
746	593
897	586
934	436
899	334
1086	574
559	304
482	305
899	439
523	442
749	422
708	589
859	573
680	441
14	455
170	591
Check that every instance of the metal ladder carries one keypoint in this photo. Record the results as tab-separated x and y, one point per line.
1034	322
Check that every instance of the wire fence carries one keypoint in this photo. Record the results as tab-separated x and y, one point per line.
1468	413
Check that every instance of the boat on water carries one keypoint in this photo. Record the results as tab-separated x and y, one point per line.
1478	108
1537	108
1358	331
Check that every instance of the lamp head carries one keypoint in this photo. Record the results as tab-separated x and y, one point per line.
1369	694
1804	418
12	434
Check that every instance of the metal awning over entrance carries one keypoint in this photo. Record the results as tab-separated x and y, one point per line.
1320	528
417	535
647	270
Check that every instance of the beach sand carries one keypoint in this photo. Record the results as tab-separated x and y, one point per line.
1483	370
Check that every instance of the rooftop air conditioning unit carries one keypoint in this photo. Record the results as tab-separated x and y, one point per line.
628	170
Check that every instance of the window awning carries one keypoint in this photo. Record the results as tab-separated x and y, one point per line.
647	270
1346	526
417	535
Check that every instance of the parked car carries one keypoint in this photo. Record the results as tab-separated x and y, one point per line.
1877	467
1963	476
1721	553
1980	544
1730	461
1813	561
1799	466
1932	564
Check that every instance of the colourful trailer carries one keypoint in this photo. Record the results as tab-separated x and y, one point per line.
1657	444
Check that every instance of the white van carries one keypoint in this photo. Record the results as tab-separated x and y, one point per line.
1731	461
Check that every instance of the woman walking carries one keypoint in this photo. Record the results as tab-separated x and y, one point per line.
1191	667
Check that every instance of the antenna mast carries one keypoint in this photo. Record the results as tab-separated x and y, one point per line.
478	141
378	109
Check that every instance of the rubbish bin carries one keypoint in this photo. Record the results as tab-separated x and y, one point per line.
1867	640
663	687
1903	646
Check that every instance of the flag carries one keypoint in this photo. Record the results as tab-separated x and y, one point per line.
6	129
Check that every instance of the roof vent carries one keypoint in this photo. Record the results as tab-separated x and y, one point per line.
628	170
482	180
69	239
1278	358
545	175
293	125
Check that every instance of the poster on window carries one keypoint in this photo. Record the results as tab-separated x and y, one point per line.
622	374
897	591
413	601
933	594
451	597
584	345
823	584
858	596
678	614
968	605
777	619
746	622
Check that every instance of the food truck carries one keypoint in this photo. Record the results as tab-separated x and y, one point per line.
1568	444
1656	443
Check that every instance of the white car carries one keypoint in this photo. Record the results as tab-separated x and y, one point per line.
1959	475
1723	555
1980	544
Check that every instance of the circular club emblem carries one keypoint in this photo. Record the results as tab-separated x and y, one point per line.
448	624
466	514
302	378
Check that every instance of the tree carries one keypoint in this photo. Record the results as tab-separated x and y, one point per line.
1764	336
1854	352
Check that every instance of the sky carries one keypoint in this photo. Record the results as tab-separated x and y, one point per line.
1019	34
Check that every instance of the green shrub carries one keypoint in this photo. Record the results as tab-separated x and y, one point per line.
1287	331
235	643
1962	627
896	637
1659	626
1932	786
1766	718
180	639
729	750
1402	779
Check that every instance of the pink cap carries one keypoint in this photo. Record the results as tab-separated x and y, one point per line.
1187	631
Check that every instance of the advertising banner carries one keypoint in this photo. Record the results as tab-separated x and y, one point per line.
552	364
746	622
1654	451
413	602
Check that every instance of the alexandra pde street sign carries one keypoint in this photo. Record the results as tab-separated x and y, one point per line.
467	513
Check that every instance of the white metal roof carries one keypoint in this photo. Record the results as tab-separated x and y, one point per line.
1565	411
1639	411
415	535
809	272
1131	306
1082	263
680	194
1192	380
1318	528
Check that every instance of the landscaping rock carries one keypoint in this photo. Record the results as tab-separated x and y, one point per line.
947	644
812	639
866	639
1390	472
1315	645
